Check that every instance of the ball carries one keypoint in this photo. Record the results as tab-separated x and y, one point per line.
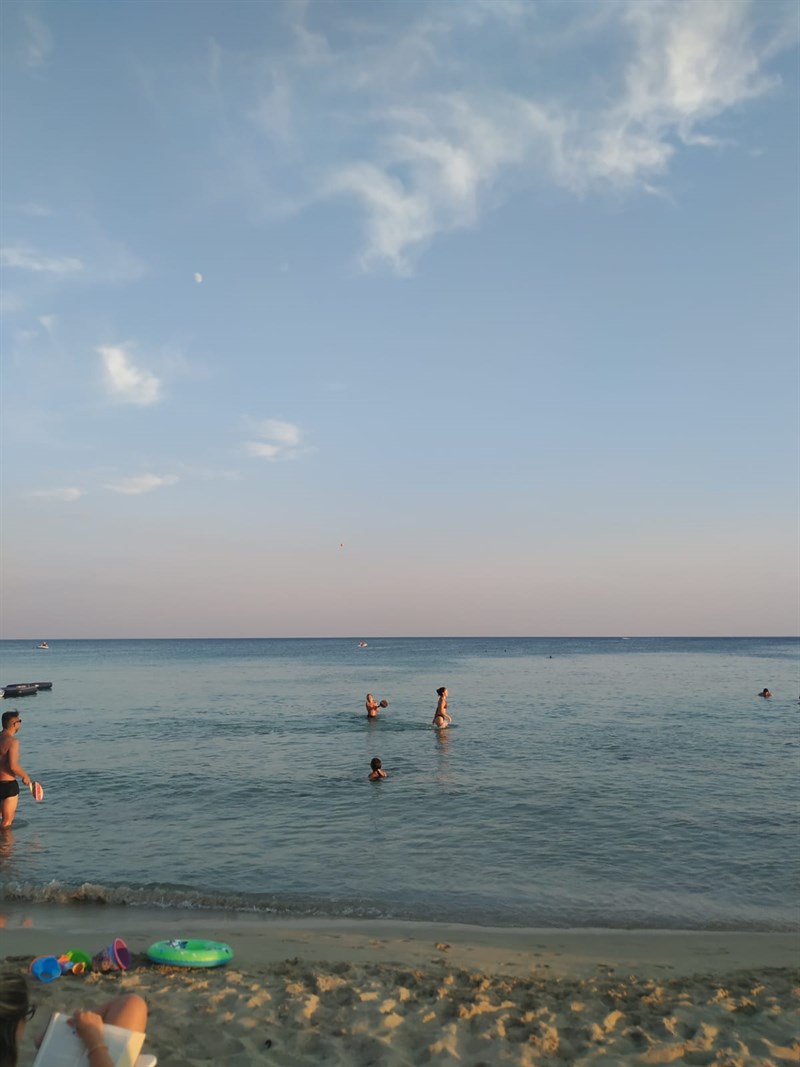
384	703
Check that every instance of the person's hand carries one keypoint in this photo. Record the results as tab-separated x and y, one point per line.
89	1027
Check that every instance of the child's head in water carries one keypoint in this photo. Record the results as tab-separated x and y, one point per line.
377	769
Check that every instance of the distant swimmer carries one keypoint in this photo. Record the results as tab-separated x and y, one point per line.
10	769
440	716
373	705
377	771
765	693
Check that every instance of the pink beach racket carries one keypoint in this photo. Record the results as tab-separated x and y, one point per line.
36	791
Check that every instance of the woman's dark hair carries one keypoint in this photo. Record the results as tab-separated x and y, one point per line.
441	689
375	763
14	1004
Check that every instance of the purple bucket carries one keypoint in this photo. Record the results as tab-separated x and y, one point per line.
114	957
46	968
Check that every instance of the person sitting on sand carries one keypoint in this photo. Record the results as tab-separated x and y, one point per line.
765	693
377	771
440	716
128	1011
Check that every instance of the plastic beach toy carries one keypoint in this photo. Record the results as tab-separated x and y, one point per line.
75	961
178	953
46	968
114	957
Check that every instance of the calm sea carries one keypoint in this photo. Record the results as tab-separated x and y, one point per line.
595	782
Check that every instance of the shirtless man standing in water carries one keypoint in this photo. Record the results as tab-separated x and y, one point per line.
10	769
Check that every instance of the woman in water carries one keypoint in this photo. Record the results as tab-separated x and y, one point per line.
128	1011
440	716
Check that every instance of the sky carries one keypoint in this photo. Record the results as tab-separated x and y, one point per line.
413	318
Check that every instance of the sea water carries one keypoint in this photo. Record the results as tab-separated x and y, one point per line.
595	782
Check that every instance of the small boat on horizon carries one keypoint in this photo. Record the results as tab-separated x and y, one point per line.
44	644
11	692
362	644
24	689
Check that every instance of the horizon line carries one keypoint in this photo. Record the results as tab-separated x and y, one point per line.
433	637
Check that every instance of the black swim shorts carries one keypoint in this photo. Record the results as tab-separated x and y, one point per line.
9	789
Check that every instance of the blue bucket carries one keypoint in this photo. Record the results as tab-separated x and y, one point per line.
46	968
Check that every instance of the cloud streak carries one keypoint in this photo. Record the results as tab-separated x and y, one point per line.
22	257
103	262
142	483
67	495
39	44
276	440
126	383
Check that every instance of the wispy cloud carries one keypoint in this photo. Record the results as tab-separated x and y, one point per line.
126	382
276	440
39	43
22	257
689	62
422	157
67	495
197	472
436	165
142	483
313	49
272	113
103	261
34	210
110	262
10	303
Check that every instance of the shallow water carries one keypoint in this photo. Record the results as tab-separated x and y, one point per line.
602	782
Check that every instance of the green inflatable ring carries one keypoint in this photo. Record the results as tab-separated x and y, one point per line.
177	953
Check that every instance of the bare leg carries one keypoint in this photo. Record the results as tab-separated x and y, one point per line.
8	808
128	1011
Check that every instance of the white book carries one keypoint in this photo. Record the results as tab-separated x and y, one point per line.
61	1046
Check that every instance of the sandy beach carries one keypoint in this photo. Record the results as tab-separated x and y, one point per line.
402	993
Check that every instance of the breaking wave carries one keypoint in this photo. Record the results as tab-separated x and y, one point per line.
176	898
184	898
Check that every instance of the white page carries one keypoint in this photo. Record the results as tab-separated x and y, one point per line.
61	1046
